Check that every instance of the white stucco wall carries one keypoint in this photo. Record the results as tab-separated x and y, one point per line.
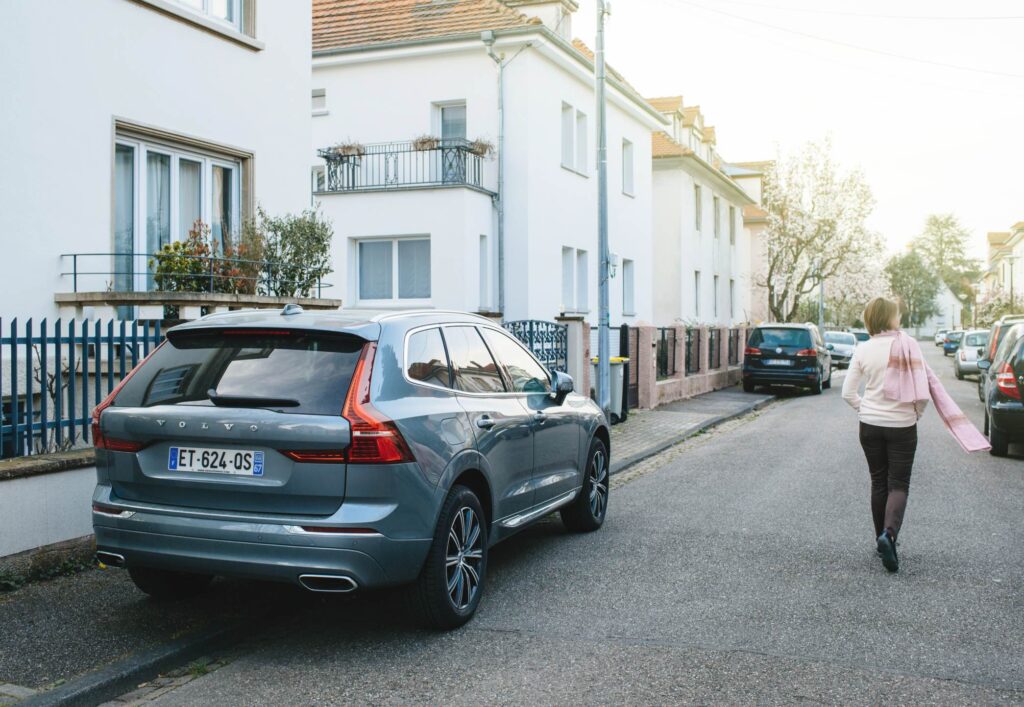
71	68
688	249
41	510
392	96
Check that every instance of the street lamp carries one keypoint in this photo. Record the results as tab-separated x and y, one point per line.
1011	259
963	301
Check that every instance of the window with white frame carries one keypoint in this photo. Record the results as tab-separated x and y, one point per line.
574	139
228	12
696	206
696	293
392	269
319	101
575	285
628	169
628	291
716	207
714	296
317	181
161	191
581	142
732	299
452	120
732	225
568	279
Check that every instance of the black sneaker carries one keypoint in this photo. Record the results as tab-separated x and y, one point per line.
887	549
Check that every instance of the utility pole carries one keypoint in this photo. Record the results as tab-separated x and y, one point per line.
821	300
604	392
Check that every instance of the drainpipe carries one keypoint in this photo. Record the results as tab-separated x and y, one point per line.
499	201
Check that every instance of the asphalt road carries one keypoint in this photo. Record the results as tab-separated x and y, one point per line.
742	570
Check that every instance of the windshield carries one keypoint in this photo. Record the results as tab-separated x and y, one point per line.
840	337
781	337
296	372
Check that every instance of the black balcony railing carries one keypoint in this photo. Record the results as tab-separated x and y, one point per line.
398	165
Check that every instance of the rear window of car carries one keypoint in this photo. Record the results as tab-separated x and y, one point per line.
839	337
310	370
769	336
976	340
954	335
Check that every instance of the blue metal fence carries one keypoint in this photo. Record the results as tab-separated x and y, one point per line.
52	376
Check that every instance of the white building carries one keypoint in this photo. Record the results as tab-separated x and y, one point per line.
123	121
702	254
949	312
419	222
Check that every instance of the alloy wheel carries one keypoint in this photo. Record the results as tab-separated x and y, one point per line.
598	484
463	558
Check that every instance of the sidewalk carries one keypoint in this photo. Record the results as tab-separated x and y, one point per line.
85	636
645	433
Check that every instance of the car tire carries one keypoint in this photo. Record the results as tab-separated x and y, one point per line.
168	584
748	387
816	388
438	598
958	372
827	385
981	389
587	511
1000	444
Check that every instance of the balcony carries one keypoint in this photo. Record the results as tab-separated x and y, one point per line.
112	282
425	163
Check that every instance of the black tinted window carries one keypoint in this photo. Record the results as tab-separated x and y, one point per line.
1009	339
427	360
781	337
525	374
475	370
311	369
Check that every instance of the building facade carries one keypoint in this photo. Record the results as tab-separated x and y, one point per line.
455	154
116	144
702	257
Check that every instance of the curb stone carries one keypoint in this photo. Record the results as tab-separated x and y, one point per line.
622	465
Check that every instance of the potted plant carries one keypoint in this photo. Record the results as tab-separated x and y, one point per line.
481	147
349	150
426	142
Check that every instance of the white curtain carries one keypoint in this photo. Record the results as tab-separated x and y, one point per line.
375	263
223	206
189	195
158	205
414	269
124	212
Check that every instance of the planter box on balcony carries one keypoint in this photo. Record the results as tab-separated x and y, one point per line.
151	304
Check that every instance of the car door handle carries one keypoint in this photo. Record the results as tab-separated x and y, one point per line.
540	416
485	422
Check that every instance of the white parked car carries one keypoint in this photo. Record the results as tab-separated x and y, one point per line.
940	336
966	359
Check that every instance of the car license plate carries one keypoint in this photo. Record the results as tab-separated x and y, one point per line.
779	362
216	461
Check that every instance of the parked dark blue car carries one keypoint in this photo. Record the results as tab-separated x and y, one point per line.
951	343
787	354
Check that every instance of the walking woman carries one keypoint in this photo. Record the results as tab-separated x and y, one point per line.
897	387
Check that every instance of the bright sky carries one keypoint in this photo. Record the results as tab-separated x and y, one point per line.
930	138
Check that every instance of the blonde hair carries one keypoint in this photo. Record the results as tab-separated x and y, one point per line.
879	313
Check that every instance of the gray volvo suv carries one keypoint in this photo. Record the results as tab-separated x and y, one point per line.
340	454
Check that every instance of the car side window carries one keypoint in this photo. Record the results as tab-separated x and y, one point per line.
524	373
427	360
474	367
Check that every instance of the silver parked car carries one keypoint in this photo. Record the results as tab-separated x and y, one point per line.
965	360
340	454
841	344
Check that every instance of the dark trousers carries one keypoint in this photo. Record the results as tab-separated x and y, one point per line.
890	455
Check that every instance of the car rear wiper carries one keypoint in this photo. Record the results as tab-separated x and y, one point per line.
250	401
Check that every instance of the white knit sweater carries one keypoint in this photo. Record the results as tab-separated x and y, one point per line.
867	367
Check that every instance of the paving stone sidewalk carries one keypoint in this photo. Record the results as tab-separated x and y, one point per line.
645	433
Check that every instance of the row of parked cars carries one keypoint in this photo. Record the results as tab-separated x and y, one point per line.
796	355
996	356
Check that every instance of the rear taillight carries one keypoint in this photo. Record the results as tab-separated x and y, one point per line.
751	351
99	440
811	353
375	437
1006	382
963	355
317	457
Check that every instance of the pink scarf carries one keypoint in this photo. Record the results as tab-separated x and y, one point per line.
909	379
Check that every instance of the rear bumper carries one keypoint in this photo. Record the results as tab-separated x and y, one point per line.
278	550
800	377
1008	418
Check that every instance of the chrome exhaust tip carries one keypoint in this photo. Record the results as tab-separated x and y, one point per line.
110	558
338	584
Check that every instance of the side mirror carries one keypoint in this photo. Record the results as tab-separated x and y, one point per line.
561	385
984	364
830	347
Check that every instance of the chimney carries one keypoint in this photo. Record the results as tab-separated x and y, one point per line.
555	14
